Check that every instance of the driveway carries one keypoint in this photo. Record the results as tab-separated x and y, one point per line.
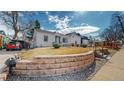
4	55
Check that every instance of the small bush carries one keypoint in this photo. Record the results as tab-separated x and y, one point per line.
84	46
72	44
56	46
77	45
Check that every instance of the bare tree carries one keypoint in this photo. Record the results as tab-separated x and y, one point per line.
16	20
117	23
116	29
11	20
109	34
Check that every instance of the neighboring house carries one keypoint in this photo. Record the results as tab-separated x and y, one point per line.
84	40
42	38
74	38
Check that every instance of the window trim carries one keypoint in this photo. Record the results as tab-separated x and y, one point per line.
45	38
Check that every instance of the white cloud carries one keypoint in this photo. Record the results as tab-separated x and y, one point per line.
81	29
60	23
47	12
53	18
122	13
84	24
6	29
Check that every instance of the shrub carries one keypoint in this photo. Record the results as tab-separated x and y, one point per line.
84	46
77	45
56	45
72	44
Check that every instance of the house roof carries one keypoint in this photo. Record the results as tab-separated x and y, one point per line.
73	33
84	37
46	31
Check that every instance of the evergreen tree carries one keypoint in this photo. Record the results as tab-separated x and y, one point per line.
37	24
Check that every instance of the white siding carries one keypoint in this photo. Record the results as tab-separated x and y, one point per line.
73	39
38	39
39	42
61	38
85	42
66	41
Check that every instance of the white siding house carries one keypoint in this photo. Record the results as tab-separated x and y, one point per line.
84	40
43	38
74	38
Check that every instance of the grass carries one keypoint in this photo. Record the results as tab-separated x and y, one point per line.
51	51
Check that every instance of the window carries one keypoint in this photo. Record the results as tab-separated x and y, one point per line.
46	38
65	40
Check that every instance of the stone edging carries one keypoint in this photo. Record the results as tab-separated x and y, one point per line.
54	65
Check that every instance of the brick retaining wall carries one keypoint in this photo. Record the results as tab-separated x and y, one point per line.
54	65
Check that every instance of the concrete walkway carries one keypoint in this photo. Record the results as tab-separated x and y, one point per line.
112	70
4	56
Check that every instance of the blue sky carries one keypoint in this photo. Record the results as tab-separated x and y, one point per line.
59	20
100	19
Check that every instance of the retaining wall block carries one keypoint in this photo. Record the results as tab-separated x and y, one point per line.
63	65
60	71
55	66
43	66
21	66
50	72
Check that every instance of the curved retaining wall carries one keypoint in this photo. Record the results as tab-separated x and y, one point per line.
54	65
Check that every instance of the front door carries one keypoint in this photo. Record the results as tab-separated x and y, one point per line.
57	39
